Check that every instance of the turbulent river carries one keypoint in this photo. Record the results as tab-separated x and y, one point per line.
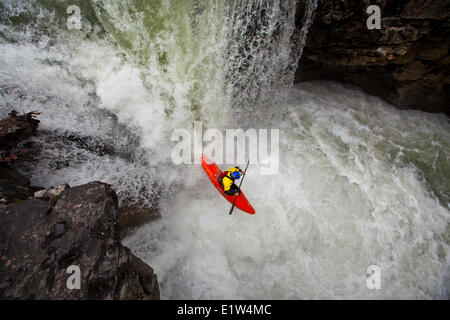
359	182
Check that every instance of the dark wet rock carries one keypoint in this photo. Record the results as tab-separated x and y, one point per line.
134	214
14	129
37	245
57	230
14	186
406	62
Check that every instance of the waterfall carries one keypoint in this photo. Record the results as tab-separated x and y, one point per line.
360	183
263	48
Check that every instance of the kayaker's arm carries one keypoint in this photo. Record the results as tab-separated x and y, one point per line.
240	170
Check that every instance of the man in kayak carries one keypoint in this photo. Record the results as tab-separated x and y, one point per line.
227	180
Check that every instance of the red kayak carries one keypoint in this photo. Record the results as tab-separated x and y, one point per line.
213	172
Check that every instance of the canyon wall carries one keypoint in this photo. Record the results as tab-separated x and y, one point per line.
406	62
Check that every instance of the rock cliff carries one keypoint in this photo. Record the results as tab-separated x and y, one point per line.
406	62
40	239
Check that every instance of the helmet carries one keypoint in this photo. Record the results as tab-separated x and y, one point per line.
235	175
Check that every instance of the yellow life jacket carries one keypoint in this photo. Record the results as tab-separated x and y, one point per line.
228	180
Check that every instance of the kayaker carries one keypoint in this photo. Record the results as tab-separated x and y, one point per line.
227	179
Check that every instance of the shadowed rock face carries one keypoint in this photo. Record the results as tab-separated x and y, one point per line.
14	129
406	62
14	186
40	239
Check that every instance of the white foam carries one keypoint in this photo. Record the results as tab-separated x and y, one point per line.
335	207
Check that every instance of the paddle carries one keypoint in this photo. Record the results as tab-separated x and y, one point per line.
240	184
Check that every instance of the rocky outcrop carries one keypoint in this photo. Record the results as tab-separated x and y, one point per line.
406	62
14	186
40	239
135	214
43	232
14	129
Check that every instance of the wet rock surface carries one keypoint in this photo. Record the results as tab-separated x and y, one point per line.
406	62
40	239
13	129
133	214
14	186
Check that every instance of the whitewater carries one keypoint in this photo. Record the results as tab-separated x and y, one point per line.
359	183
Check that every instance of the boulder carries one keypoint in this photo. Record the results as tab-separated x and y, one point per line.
14	129
134	213
41	241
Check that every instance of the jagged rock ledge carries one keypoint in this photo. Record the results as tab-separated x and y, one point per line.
41	237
